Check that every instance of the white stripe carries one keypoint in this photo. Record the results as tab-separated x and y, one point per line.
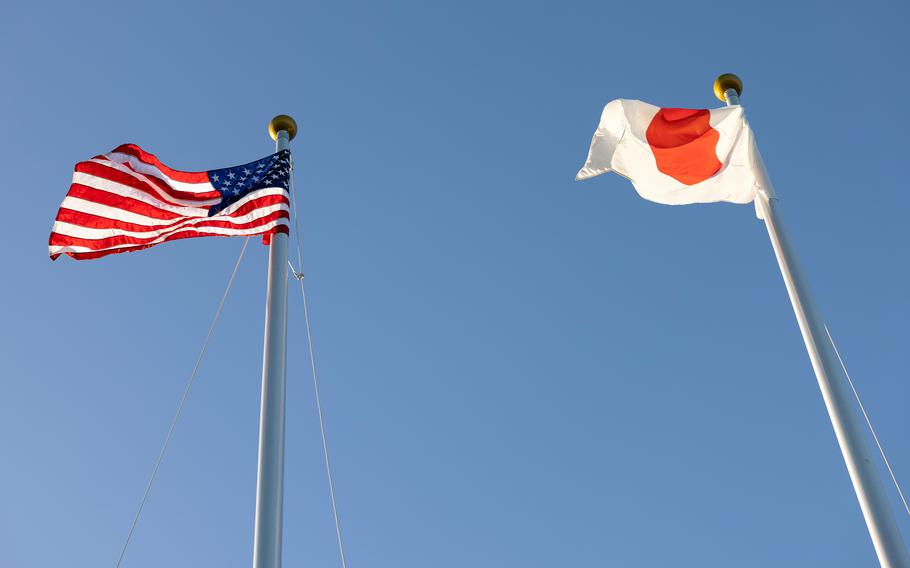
116	188
154	187
214	230
92	208
229	210
81	232
150	169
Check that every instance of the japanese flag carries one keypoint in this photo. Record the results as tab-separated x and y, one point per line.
678	156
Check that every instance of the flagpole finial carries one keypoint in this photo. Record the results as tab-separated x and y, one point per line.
282	122
725	82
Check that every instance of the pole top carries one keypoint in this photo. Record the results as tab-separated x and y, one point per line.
282	122
725	82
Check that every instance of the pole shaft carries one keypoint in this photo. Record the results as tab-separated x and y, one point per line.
886	537
270	482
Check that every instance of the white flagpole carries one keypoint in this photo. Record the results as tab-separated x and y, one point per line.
270	482
886	537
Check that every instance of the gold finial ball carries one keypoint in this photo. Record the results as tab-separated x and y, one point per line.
727	81
282	122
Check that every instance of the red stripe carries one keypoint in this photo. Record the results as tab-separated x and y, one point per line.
142	208
266	239
171	195
123	178
120	202
92	221
59	239
263	201
179	194
177	175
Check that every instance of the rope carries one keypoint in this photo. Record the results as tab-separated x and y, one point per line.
868	423
309	340
186	392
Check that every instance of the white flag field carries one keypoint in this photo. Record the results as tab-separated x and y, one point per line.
678	156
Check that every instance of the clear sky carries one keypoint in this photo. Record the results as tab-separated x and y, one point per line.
517	369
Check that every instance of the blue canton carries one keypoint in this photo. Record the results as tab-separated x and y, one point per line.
235	183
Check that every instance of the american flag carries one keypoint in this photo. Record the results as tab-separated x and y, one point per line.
128	200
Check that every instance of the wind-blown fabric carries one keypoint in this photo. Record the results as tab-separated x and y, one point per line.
678	156
128	200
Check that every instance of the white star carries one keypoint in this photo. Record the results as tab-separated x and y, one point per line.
246	172
215	178
231	175
237	191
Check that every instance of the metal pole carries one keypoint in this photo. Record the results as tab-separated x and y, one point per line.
270	482
851	437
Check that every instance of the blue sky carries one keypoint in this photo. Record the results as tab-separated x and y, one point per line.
517	369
